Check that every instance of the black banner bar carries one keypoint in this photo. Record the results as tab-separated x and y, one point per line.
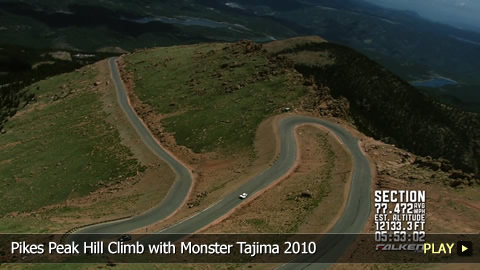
239	248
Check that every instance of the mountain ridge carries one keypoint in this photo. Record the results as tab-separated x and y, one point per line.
388	108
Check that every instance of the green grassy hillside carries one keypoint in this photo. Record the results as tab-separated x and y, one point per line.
219	92
59	147
21	66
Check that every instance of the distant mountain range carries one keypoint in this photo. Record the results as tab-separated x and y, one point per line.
458	13
414	48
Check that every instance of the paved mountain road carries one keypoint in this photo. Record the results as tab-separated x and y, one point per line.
178	192
353	219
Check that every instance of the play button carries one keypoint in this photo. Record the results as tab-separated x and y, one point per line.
464	248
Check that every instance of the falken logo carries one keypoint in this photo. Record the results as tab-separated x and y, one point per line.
400	247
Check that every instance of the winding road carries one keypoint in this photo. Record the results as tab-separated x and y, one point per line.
353	219
178	192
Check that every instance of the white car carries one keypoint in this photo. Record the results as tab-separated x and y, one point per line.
243	195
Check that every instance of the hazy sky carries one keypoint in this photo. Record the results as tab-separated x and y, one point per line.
461	13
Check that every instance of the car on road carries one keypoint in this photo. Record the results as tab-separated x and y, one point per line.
125	238
243	195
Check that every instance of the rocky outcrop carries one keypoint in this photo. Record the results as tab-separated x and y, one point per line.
455	177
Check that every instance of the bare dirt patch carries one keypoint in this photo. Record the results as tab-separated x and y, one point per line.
12	144
61	55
